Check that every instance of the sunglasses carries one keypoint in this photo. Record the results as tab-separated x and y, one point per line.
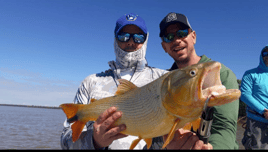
180	34
264	54
125	37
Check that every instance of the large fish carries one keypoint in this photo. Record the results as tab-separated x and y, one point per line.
175	100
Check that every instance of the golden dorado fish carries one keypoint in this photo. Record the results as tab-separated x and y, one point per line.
172	101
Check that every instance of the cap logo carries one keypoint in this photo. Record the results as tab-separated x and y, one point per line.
171	17
131	17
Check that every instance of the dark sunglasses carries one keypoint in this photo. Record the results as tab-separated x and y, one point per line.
125	37
264	54
180	34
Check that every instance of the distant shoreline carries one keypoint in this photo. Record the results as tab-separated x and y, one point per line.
30	106
240	119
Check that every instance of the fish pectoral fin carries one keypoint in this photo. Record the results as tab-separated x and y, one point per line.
171	133
134	143
148	142
195	124
124	86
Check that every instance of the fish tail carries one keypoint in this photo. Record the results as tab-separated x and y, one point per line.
70	109
71	113
77	128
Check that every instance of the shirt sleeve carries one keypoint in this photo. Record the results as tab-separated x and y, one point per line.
224	125
246	94
85	140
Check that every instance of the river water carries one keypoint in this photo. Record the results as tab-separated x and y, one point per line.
30	128
39	128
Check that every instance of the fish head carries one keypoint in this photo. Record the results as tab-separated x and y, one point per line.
184	91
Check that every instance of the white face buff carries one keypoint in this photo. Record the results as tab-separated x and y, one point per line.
129	59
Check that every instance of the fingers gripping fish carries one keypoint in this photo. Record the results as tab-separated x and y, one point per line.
173	101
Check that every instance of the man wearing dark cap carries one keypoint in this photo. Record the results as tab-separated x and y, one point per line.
130	45
178	40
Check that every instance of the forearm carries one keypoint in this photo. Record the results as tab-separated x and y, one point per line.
251	102
247	94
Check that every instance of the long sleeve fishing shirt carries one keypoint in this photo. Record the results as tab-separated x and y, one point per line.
254	91
103	85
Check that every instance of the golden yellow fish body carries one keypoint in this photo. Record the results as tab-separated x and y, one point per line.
142	111
160	107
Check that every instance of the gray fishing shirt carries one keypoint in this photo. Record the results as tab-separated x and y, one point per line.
103	85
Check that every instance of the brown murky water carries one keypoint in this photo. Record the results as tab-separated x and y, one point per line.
30	128
38	128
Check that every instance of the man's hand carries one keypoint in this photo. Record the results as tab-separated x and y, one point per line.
104	134
265	113
185	139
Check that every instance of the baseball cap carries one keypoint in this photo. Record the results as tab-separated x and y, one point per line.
172	18
130	19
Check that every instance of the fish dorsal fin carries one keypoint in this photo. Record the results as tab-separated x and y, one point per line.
124	86
93	100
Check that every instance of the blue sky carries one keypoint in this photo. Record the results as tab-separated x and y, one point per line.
47	47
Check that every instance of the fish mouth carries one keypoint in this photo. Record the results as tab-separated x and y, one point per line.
211	83
212	87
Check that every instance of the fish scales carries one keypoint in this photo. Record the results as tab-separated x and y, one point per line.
160	107
142	111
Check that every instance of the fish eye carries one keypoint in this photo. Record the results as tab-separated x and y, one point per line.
192	73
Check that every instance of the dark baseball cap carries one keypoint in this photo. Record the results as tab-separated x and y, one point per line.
172	18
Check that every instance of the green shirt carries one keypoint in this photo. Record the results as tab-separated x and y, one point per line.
224	125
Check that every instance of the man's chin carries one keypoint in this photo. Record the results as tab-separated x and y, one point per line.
182	60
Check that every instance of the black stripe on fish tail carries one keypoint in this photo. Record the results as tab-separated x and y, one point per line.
73	119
